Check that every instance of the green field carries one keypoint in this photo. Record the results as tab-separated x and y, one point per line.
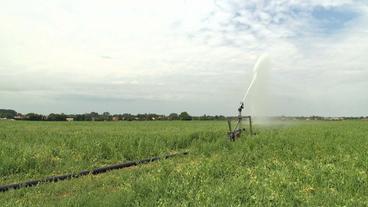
291	164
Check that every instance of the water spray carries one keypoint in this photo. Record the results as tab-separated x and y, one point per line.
236	132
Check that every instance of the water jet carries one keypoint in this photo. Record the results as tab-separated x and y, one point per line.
236	132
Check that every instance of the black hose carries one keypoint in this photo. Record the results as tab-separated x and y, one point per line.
96	171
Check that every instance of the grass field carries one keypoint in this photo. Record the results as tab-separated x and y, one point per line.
299	164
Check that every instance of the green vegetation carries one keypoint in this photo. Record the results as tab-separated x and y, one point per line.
311	163
105	116
185	116
7	113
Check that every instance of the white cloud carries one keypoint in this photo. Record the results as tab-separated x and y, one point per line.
190	54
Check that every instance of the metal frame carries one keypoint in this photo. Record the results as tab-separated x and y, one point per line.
236	132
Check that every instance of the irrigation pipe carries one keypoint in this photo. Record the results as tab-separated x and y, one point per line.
96	171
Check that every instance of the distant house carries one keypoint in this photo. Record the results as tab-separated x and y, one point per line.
7	119
335	119
70	119
19	117
115	118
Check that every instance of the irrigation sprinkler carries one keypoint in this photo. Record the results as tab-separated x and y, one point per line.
236	132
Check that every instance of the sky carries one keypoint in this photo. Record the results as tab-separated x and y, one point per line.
163	56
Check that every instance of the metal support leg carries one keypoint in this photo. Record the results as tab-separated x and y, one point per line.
250	126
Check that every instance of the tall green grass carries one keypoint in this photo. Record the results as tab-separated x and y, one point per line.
300	164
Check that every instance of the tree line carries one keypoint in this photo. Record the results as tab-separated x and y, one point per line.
106	116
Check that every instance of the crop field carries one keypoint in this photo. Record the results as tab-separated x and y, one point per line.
310	163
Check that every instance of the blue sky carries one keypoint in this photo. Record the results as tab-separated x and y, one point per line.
332	20
173	55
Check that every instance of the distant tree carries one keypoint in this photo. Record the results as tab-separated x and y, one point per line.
152	117
205	117
35	117
7	113
128	117
173	116
93	116
106	116
185	116
220	117
80	117
56	117
142	117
